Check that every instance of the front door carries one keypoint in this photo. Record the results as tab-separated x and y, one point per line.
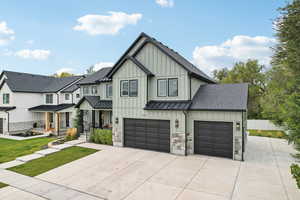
1	125
67	119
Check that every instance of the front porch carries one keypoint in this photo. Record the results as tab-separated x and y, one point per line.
57	119
96	119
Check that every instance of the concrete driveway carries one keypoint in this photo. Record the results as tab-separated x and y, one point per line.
133	174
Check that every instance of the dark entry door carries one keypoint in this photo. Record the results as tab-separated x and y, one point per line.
67	119
147	134
1	125
213	138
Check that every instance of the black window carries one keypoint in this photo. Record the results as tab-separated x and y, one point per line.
108	90
133	88
167	87
49	98
67	96
173	87
162	87
124	88
5	98
77	95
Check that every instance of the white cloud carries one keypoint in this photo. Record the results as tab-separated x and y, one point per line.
106	24
239	48
165	3
101	65
37	54
64	69
6	34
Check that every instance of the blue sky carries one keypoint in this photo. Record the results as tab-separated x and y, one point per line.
47	36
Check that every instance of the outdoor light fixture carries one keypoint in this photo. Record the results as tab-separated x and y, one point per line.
176	123
117	120
238	126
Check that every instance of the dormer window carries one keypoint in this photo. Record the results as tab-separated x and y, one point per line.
167	87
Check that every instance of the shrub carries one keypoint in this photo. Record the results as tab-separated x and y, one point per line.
71	134
101	136
267	133
295	170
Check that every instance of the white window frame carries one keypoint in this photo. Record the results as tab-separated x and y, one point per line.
108	90
51	98
94	90
6	98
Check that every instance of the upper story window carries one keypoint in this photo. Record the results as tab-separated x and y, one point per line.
167	87
77	96
94	90
49	98
67	96
108	90
129	88
173	87
5	98
162	89
86	90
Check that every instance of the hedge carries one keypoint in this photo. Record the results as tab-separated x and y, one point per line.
295	170
101	136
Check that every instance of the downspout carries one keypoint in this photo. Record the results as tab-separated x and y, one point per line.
243	133
185	127
190	86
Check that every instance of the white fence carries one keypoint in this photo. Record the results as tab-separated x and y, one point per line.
262	125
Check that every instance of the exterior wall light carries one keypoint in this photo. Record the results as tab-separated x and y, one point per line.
117	120
238	126
176	123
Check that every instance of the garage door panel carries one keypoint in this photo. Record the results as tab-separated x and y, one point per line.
213	138
147	134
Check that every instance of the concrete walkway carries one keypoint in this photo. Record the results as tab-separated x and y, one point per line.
42	189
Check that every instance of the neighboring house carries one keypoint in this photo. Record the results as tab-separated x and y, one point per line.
36	101
96	102
163	102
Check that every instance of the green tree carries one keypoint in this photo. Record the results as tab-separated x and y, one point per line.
250	72
63	74
282	99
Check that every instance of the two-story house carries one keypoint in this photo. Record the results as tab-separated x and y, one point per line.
96	102
36	101
163	102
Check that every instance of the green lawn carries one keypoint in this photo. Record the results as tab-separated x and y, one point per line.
266	133
2	185
11	149
44	164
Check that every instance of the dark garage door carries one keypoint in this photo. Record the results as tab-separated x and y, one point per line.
213	138
147	134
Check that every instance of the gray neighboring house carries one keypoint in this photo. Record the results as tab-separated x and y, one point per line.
44	103
163	102
96	102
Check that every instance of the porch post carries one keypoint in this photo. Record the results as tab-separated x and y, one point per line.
100	119
47	125
57	123
93	118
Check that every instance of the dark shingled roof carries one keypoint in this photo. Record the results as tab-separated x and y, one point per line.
231	97
8	108
96	103
51	108
193	70
98	76
24	82
71	88
167	105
